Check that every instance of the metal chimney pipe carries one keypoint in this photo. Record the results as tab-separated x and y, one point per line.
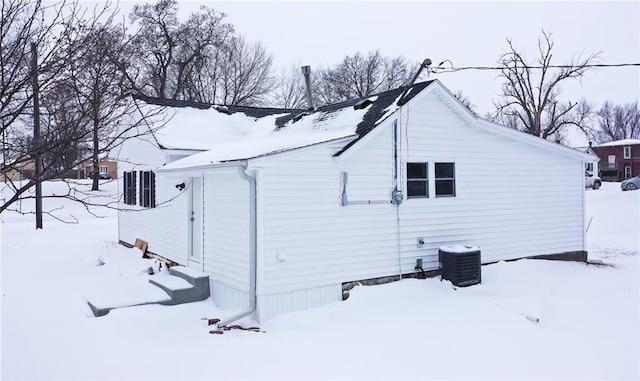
306	71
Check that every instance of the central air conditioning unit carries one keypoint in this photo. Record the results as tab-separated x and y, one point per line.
460	264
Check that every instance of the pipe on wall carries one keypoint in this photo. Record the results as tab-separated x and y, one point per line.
253	248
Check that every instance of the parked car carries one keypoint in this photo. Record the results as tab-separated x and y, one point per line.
591	181
104	176
632	183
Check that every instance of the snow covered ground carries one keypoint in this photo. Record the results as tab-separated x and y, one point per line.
588	328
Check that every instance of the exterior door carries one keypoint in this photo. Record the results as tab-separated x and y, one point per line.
195	205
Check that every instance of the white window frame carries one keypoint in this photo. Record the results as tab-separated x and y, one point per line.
611	160
627	152
104	169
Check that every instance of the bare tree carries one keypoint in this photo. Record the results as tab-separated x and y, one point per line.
168	51
289	91
21	23
466	102
359	76
246	74
530	95
99	87
76	85
50	27
617	122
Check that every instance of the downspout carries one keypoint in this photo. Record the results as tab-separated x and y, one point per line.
253	248
396	193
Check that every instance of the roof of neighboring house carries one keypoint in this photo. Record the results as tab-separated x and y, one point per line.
587	149
624	142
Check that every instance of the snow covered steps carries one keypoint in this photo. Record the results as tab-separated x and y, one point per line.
181	285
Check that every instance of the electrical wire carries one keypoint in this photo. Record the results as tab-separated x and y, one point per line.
440	69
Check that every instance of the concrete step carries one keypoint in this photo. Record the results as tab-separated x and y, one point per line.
197	279
125	294
181	285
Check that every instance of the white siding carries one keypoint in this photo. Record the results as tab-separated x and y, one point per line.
513	200
163	227
226	236
308	239
272	305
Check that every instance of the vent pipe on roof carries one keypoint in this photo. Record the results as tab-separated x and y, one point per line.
306	71
425	64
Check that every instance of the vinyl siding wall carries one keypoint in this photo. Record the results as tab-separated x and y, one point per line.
163	227
512	199
309	243
226	236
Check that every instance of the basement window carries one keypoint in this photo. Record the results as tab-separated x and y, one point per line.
445	179
417	180
147	189
129	191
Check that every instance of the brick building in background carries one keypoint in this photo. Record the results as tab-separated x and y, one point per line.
619	159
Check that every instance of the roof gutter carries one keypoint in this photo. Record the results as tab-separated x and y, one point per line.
224	164
253	248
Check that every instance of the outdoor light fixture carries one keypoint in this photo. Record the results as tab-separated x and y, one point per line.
180	186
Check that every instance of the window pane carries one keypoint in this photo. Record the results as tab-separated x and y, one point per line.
445	188
445	170
416	170
416	188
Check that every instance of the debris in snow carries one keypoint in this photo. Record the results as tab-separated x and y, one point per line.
211	321
230	327
532	319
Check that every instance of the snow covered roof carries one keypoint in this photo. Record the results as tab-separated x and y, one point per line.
200	126
229	133
623	142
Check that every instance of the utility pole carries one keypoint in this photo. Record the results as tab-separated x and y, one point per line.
36	135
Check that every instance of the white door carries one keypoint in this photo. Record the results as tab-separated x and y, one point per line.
195	204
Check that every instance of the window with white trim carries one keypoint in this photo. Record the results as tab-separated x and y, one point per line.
445	179
104	169
627	152
612	160
417	180
129	190
147	189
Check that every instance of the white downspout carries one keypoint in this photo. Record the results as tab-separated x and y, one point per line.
253	248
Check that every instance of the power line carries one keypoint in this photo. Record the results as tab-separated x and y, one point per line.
441	69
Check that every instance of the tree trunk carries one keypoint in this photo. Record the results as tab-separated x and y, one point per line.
96	150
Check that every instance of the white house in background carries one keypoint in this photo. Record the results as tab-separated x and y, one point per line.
284	207
592	166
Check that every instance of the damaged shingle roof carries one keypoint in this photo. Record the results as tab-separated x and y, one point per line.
377	108
254	112
377	105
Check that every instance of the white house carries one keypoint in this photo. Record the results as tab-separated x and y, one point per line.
282	207
592	166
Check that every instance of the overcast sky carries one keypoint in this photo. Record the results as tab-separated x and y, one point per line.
466	33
